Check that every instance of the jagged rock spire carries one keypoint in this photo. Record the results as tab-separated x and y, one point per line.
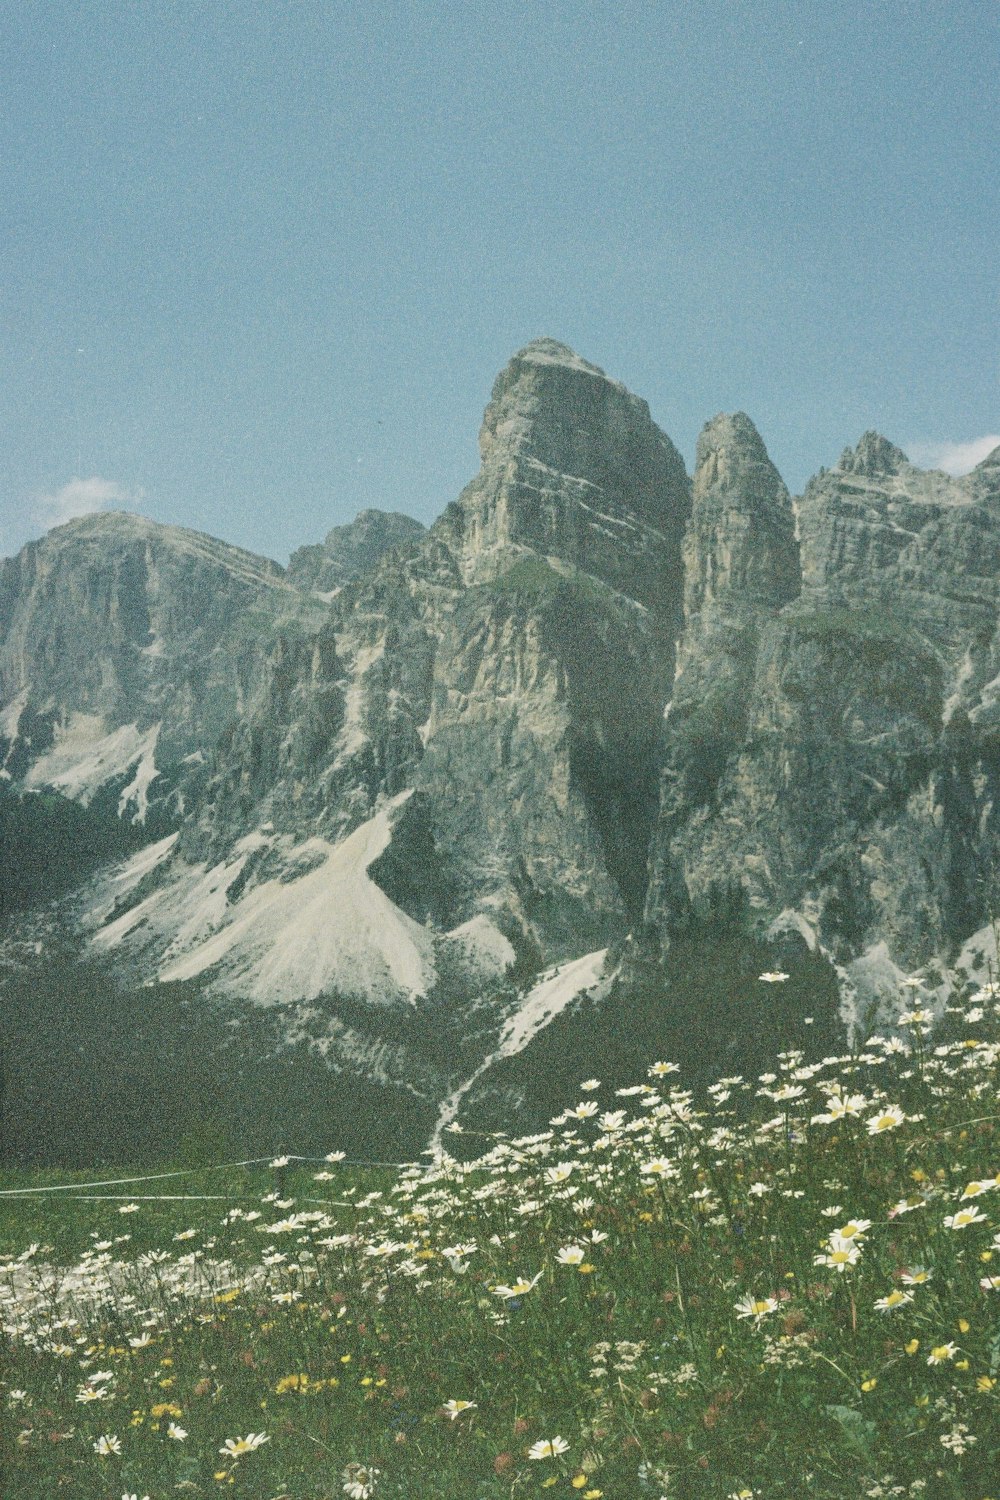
873	456
740	550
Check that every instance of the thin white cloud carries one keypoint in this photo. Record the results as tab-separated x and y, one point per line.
954	458
79	498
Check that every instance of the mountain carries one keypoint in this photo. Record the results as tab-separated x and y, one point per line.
456	806
832	744
350	551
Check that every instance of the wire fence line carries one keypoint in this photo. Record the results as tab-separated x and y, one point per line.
231	1166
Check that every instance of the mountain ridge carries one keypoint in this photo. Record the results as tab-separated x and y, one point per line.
595	707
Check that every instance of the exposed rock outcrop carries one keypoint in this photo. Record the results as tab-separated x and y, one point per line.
590	701
847	771
351	551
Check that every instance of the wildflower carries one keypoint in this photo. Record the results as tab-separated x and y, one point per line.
661	1069
772	977
756	1307
335	1156
455	1408
108	1444
990	1283
548	1448
915	1018
973	1189
591	1084
557	1174
959	1439
177	1433
584	1111
129	1208
941	1353
519	1288
359	1481
839	1256
906	1206
658	1167
964	1218
893	1300
917	1277
912	1346
236	1447
887	1120
854	1229
985	1382
869	1385
570	1255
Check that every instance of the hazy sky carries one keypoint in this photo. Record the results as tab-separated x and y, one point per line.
261	262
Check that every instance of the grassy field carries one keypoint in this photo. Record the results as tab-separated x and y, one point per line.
787	1287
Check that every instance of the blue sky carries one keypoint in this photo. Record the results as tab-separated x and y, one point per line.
260	262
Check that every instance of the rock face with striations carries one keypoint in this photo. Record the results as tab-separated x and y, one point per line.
125	650
464	730
845	781
351	551
590	700
543	735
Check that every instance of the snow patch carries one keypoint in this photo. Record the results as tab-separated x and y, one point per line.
146	773
545	1000
84	758
10	716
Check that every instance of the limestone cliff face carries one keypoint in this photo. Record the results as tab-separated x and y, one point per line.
551	673
574	468
847	774
351	551
509	667
463	722
125	649
591	699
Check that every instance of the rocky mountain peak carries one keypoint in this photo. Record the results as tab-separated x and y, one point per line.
574	469
991	461
537	383
546	351
351	550
740	547
874	456
730	450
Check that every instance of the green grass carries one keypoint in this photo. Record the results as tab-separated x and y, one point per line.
679	1329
